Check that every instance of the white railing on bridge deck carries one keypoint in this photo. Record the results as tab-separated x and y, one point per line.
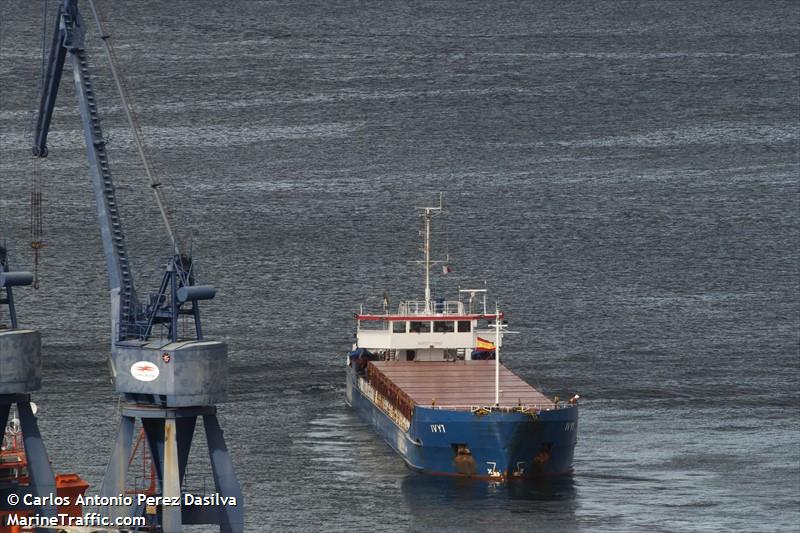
417	307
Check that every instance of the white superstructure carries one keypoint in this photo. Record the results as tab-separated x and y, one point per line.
432	329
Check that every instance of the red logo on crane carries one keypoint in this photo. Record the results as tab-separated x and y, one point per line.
144	371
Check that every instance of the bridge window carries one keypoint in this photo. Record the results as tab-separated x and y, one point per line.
420	327
399	326
443	326
464	326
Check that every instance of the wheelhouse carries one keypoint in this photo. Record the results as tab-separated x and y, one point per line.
441	331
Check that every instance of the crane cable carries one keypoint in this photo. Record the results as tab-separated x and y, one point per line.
36	221
127	106
36	217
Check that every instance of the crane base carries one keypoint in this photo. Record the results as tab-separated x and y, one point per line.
41	480
169	433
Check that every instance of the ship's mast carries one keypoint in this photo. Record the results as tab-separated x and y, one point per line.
498	326
427	216
427	250
500	329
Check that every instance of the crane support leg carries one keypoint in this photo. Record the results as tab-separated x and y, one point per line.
42	481
154	431
117	470
231	517
169	432
171	515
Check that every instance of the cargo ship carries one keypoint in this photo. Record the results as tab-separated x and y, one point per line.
429	380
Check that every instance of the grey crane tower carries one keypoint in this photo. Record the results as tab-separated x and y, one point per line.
21	374
167	380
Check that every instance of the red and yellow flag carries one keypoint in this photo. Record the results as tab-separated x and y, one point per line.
483	344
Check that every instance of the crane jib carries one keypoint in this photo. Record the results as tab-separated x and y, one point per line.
135	320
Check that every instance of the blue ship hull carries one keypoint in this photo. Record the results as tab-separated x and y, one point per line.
497	446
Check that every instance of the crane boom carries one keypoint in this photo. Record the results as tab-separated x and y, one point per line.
138	138
68	40
132	319
52	80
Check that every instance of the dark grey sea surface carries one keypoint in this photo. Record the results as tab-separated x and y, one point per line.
622	175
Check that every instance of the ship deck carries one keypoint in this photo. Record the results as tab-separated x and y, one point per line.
460	384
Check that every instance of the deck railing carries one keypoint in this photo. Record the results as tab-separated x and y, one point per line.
486	409
417	307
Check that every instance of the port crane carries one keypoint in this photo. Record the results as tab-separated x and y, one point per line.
167	379
21	365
